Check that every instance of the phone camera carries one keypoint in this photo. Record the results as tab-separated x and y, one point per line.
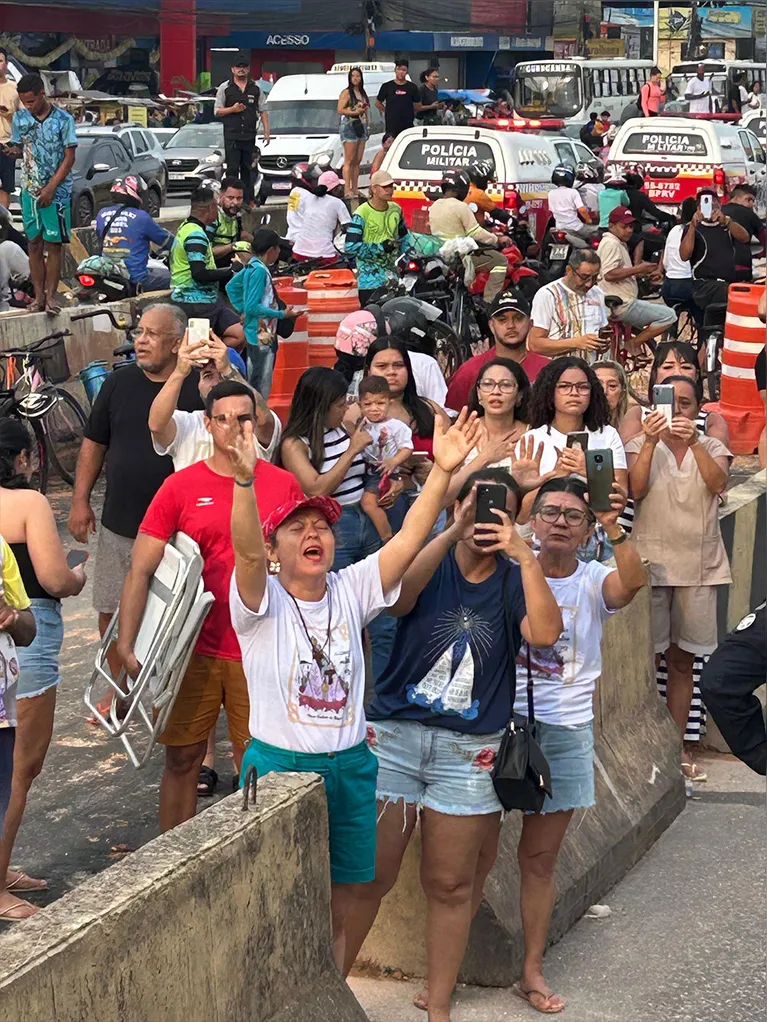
598	459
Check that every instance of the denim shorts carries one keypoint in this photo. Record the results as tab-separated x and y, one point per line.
640	314
39	663
442	770
347	132
350	788
569	751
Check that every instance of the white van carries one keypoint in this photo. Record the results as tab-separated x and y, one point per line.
523	162
304	123
680	155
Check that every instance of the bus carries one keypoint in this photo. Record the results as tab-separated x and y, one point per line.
720	71
571	89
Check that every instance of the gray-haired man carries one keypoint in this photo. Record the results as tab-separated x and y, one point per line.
118	431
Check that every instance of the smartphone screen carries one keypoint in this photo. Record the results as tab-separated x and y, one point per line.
75	557
599	475
489	497
663	399
707	206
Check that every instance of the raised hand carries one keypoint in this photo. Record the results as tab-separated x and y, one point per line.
187	356
684	429
526	466
653	426
218	351
360	438
241	449
572	461
452	447
505	538
618	501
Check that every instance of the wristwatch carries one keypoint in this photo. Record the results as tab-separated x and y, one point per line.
230	375
619	539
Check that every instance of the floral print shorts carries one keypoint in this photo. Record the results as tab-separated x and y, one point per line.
443	770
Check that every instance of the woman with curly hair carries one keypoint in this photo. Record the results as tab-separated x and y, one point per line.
568	398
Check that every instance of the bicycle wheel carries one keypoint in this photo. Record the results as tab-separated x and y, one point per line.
64	425
447	348
38	453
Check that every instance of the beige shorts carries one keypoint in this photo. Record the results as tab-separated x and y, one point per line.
685	616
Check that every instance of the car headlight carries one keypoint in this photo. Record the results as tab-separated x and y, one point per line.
213	158
323	158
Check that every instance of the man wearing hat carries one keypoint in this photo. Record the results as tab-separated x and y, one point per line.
619	277
239	103
509	317
375	234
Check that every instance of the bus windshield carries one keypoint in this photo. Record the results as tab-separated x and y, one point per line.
553	90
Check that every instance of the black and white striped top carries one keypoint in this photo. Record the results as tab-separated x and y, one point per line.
336	442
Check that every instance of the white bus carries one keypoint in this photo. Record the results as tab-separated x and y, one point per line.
720	72
571	89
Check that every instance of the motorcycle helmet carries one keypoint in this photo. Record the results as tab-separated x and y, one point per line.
481	173
129	187
306	175
456	180
355	333
563	175
615	178
586	172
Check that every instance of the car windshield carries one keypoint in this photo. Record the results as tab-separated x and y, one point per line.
197	136
309	117
665	143
551	93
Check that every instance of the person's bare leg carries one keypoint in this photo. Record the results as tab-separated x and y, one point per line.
37	272
113	662
33	736
178	788
377	515
539	845
488	853
357	164
234	336
52	277
5	198
349	149
396	822
679	688
649	333
449	858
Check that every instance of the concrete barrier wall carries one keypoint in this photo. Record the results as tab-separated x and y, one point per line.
225	919
639	792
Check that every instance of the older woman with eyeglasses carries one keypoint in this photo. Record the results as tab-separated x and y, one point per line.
564	678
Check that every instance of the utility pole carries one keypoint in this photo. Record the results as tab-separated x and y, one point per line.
656	32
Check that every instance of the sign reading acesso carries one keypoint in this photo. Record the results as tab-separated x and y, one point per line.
287	40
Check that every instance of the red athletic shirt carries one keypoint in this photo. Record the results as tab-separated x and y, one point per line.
198	501
464	377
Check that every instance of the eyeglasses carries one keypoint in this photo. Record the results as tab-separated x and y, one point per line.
587	278
569	388
487	386
551	513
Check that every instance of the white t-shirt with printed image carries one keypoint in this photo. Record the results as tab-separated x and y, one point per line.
301	700
389	437
193	443
565	674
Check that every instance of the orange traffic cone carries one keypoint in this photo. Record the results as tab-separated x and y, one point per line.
292	352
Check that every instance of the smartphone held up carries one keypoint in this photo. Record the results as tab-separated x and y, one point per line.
600	478
490	497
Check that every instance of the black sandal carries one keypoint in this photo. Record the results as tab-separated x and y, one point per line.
206	782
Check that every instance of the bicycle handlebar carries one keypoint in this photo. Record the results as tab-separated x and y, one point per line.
37	346
103	311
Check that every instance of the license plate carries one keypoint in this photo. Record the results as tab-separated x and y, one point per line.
282	186
409	282
176	176
558	251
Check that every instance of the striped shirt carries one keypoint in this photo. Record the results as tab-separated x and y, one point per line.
336	442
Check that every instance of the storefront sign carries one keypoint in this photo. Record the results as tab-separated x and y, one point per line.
674	22
726	23
525	42
287	40
759	22
606	47
138	115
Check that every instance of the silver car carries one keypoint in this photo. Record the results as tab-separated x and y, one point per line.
194	154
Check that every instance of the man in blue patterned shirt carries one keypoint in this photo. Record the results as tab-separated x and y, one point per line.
44	137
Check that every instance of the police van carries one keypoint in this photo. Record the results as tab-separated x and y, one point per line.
304	123
680	155
524	161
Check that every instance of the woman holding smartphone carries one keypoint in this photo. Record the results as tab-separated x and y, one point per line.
29	528
677	475
353	106
438	715
564	675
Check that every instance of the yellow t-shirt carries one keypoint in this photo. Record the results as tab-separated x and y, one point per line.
15	595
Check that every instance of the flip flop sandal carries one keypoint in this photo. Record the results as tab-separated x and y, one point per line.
525	995
10	915
206	782
25	884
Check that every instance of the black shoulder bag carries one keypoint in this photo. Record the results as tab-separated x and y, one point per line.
521	775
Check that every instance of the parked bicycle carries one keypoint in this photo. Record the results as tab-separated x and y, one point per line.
93	375
30	391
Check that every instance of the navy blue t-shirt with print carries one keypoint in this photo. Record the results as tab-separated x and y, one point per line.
449	667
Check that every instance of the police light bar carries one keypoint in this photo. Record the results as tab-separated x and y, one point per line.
517	123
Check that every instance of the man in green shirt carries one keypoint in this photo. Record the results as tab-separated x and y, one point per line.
374	236
226	230
194	276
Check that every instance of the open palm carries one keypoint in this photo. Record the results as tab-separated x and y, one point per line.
451	447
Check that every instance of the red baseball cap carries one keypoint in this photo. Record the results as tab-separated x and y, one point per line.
622	215
327	506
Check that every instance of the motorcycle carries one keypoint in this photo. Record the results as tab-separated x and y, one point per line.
525	275
99	286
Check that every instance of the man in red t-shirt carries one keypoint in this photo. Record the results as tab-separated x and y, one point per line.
509	324
198	501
